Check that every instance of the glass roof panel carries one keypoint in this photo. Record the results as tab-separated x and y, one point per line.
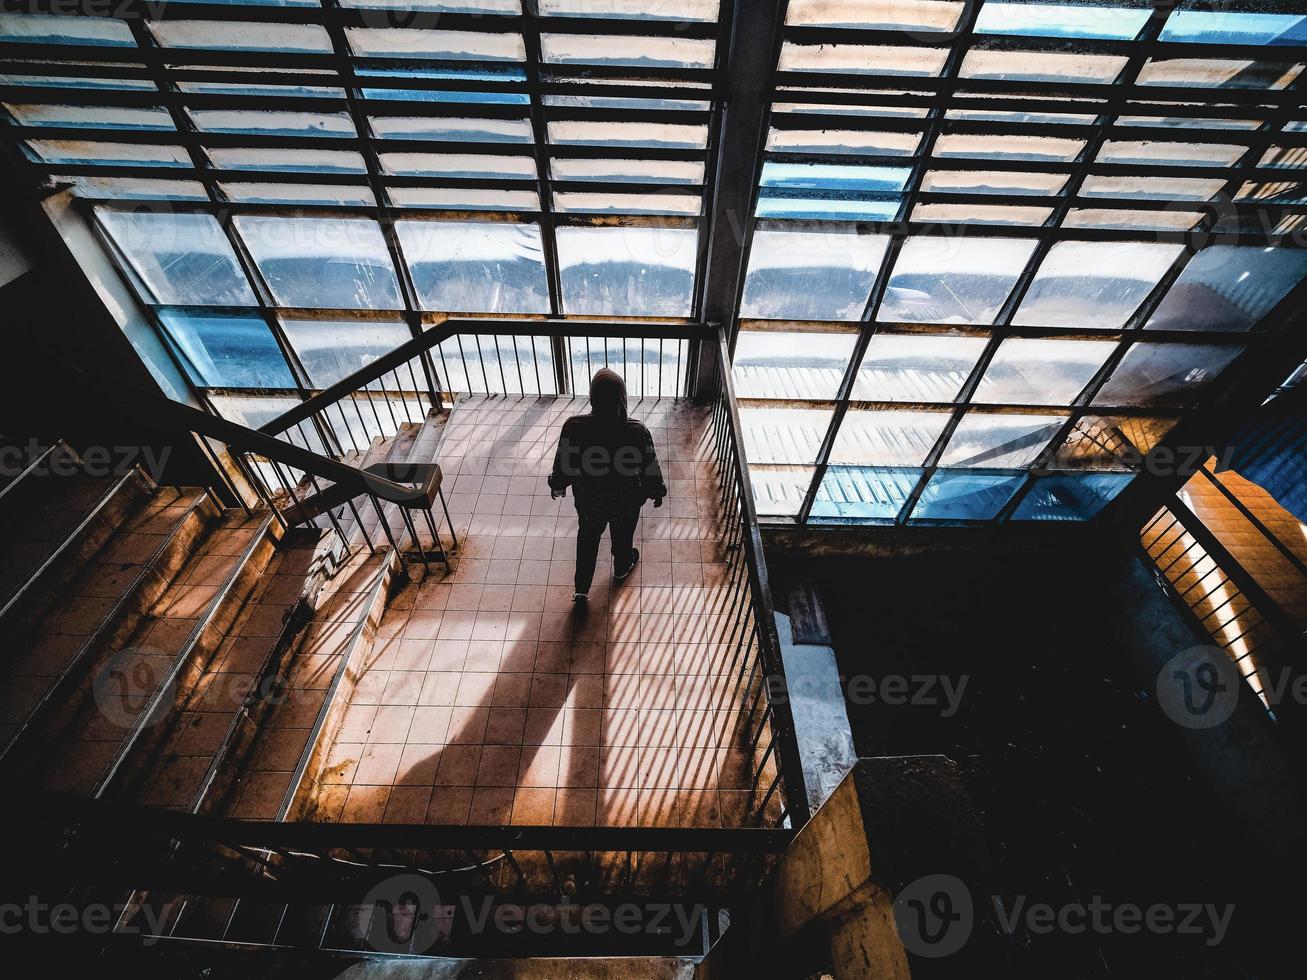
852	141
91	117
655	202
437	6
1061	20
75	81
627	271
181	258
941	279
1008	147
629	171
1040	66
778	491
241	36
992	182
960	495
887	438
1094	284
437	45
671	135
863	59
1165	374
1211	73
811	275
1235	27
1154	188
338	263
333	349
133	188
784	435
1102	442
981	214
273	123
886	15
222	351
640	52
1041	372
1116	218
1168	152
475	165
463	199
100	153
790	364
284	160
476	267
452	128
1229	287
864	492
1000	440
1065	497
55	29
916	368
267	193
692	10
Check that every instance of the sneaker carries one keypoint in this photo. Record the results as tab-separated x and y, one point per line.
635	557
580	597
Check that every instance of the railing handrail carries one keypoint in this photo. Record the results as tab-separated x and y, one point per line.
152	410
451	327
133	819
769	641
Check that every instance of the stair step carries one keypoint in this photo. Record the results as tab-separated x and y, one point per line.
138	679
49	540
100	608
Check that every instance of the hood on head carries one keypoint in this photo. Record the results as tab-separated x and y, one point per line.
608	395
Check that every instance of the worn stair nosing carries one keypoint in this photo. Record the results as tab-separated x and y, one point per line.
268	527
111	622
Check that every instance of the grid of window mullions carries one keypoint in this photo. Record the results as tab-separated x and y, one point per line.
1118	97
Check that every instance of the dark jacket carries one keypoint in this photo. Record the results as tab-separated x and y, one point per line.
606	458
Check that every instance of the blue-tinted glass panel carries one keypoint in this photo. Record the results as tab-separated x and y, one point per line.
1229	287
830	191
183	259
864	492
228	351
476	267
333	349
104	154
495	74
811	275
332	263
1070	498
627	271
91	117
636	52
1235	27
273	123
958	495
1061	20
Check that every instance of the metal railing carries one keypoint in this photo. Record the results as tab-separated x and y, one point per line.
760	672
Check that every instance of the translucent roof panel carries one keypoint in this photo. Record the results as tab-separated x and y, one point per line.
1229	287
253	192
1222	73
476	267
337	263
333	349
1110	442
1061	20
659	134
992	182
241	36
887	438
1165	374
106	154
434	44
1095	284
778	491
1038	66
886	15
824	191
811	275
784	435
1000	440
453	128
629	171
91	117
960	495
287	160
475	165
273	123
627	271
863	59
938	279
1041	372
875	493
183	259
220	351
55	29
790	364
913	368
643	52
688	10
1235	27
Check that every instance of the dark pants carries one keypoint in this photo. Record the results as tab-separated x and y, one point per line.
588	534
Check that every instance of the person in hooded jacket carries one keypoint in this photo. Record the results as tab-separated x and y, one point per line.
609	462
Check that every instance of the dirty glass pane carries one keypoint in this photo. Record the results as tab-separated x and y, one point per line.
778	491
1127	220
992	182
453	128
790	364
285	160
1156	188
241	36
94	152
887	438
90	117
1038	66
1000	441
1094	284
684	136
697	10
981	214
627	271
940	279
869	142
1229	287
1165	374
1061	20
958	495
334	349
54	29
1105	442
1025	371
1235	27
1159	152
475	267
462	199
273	123
323	262
629	171
1008	147
255	192
916	368
400	42
183	259
889	15
863	59
811	275
643	52
1210	73
492	165
228	351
